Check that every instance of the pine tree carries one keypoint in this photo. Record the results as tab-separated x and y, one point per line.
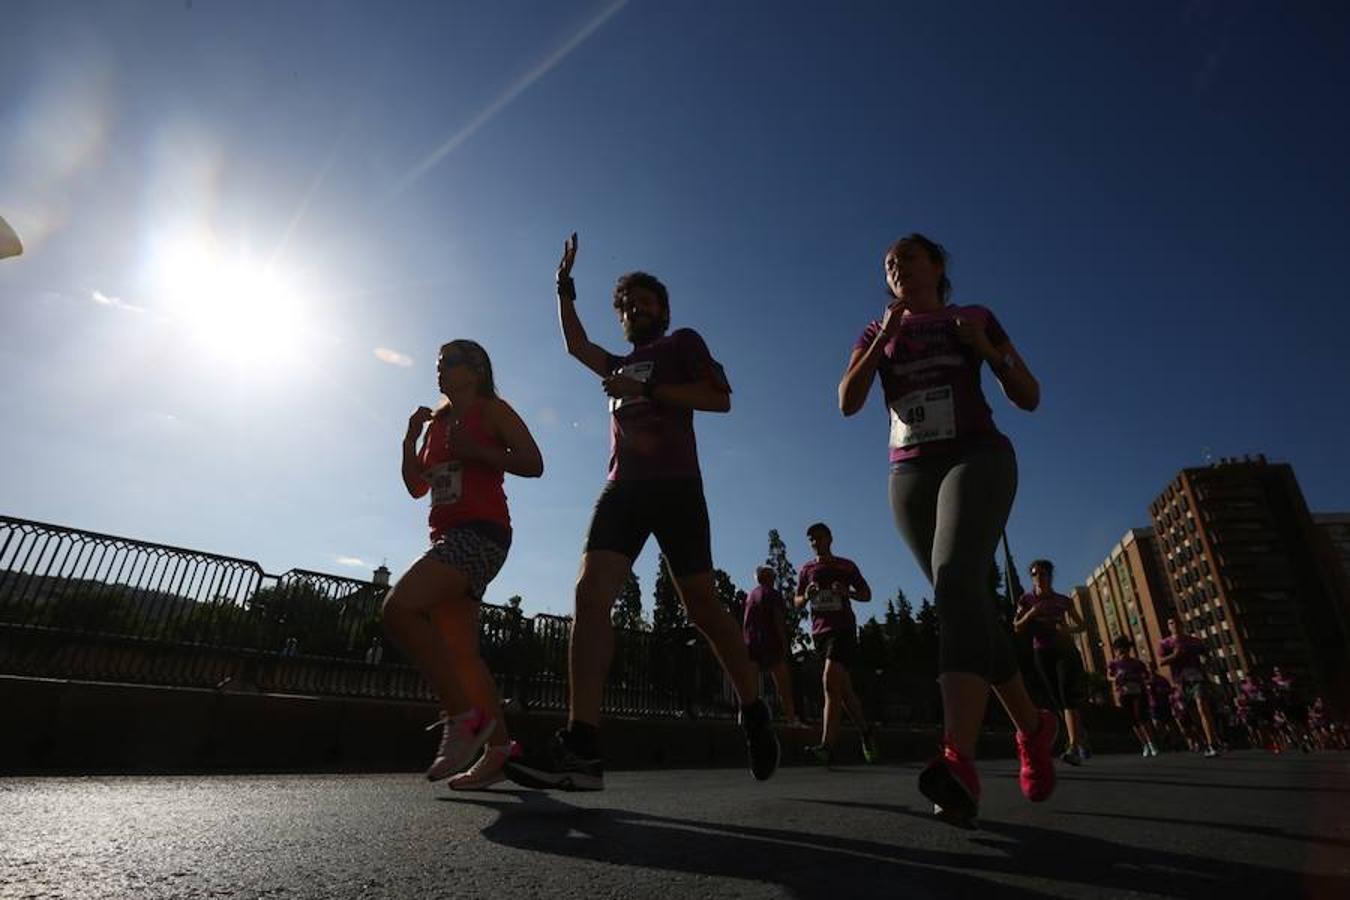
731	597
667	612
785	582
628	610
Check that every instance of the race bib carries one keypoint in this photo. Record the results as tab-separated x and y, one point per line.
826	601
921	416
638	371
447	483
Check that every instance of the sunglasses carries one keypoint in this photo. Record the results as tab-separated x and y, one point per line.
449	360
1036	572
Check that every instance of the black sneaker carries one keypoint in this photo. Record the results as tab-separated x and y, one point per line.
760	739
562	769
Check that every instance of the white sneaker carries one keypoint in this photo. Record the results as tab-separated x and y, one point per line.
1211	753
488	770
1145	752
461	738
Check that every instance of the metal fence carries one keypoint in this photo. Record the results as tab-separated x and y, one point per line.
77	604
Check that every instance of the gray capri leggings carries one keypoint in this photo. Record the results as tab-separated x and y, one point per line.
951	511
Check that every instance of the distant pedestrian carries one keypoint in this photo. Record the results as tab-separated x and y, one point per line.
1129	682
375	654
1183	653
764	628
1051	620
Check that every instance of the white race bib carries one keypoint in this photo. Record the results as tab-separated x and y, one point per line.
826	601
638	371
921	416
447	483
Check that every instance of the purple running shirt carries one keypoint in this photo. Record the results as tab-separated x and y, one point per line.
931	383
830	610
1045	627
1189	650
1129	675
762	627
648	439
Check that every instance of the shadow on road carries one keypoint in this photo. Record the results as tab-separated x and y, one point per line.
1065	856
813	864
1258	830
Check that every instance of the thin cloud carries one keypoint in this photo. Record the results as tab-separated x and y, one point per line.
103	299
514	91
393	357
352	562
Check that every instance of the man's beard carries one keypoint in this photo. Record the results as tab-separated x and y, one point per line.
643	330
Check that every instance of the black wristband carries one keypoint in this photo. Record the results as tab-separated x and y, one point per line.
567	288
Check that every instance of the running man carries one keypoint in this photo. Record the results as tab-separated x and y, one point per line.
1182	653
470	442
1050	618
953	476
654	487
1129	682
831	584
764	630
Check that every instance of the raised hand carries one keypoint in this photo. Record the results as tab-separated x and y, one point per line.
564	276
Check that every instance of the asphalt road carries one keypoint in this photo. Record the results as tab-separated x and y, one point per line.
1247	825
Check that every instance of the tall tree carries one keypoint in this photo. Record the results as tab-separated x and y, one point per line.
667	613
731	597
785	581
627	612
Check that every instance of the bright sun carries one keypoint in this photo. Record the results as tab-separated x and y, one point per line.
234	306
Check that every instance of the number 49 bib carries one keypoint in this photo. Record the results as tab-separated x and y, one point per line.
921	416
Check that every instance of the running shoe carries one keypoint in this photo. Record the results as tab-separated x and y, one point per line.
761	743
1211	753
563	768
1145	752
1084	752
871	750
1073	756
462	736
1035	752
798	722
952	784
821	754
488	770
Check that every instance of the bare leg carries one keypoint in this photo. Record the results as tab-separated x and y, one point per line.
457	620
591	647
407	619
782	680
722	632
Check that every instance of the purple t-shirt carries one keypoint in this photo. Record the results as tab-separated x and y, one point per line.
931	382
1128	675
1045	626
831	610
648	439
1159	691
764	616
1189	650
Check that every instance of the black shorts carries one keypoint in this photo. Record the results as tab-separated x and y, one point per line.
1062	671
673	509
1135	705
840	646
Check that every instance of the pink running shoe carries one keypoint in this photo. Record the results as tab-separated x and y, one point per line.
488	770
951	782
1037	776
462	736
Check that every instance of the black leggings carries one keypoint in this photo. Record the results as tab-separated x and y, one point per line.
951	510
1062	672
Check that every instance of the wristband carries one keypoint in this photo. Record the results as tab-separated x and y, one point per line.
567	288
1003	365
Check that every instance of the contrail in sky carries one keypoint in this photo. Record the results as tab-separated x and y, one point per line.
505	99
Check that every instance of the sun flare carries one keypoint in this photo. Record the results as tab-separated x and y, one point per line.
231	304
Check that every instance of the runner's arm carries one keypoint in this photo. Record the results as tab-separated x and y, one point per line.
412	469
520	454
1019	385
861	590
578	345
1075	624
858	377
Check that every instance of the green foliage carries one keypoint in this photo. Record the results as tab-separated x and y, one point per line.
785	581
667	612
728	595
627	613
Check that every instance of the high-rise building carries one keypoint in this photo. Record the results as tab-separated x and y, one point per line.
1089	642
1251	575
1335	527
1128	595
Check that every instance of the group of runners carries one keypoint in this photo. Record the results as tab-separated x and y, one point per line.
952	479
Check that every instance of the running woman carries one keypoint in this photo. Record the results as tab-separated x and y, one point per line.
831	585
1182	653
1050	618
471	440
952	480
764	629
654	487
1129	682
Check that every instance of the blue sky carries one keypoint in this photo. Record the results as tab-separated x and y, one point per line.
230	208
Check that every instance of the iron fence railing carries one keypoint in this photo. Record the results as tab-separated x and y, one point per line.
78	604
